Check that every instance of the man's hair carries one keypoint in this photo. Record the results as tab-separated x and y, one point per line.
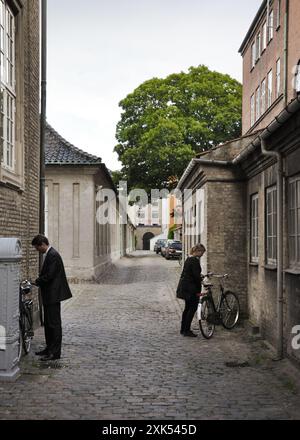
39	240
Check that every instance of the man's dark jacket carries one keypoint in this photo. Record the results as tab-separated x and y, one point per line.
190	280
52	280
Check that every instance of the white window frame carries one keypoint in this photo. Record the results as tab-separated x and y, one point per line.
258	46
270	89
257	104
271	225
294	222
278	15
263	96
297	78
278	77
252	110
271	26
7	86
253	54
264	36
254	228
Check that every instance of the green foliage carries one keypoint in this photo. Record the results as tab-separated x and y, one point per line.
166	121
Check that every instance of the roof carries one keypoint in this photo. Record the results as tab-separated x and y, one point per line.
58	151
253	24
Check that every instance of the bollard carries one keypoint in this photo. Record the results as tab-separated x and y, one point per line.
10	258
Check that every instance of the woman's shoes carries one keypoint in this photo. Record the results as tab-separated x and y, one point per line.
190	334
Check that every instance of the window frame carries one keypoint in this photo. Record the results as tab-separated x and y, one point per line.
271	259
8	86
253	54
294	262
278	78
15	178
270	26
278	15
254	223
270	89
264	36
263	96
257	104
258	46
252	110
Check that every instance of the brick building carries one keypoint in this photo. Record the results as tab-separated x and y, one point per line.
19	126
271	62
247	212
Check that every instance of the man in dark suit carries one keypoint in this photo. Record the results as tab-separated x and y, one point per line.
54	289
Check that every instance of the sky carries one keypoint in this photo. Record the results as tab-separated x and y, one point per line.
99	51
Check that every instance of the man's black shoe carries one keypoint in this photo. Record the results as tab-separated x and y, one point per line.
42	353
50	357
190	334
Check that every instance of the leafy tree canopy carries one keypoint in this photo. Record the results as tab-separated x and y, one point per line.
164	122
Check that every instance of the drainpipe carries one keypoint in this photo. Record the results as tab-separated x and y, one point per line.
285	56
43	112
279	245
42	132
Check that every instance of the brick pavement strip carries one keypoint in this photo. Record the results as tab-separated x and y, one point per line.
123	358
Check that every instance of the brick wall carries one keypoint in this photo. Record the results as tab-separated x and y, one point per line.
19	207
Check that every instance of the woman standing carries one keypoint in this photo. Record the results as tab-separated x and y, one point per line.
189	288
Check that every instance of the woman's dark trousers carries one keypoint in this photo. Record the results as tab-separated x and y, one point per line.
191	306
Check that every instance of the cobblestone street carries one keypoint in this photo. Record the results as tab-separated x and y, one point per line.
123	358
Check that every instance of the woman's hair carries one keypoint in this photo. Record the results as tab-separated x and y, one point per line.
197	248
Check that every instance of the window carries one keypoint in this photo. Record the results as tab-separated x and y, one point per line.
257	104
7	88
294	222
271	225
271	26
254	228
278	16
253	55
263	97
270	88
264	36
278	77
297	78
258	45
252	110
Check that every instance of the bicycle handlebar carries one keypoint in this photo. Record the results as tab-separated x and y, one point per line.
215	275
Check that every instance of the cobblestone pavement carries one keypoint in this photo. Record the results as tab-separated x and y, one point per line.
123	358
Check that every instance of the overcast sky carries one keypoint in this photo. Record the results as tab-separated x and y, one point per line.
101	50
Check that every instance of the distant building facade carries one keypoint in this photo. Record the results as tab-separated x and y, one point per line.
74	181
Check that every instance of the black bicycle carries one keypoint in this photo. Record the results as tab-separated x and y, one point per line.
25	318
226	312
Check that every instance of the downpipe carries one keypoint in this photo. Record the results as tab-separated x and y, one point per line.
278	156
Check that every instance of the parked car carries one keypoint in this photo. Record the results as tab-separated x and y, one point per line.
173	250
158	245
165	246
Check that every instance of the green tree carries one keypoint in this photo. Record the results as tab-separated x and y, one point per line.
165	122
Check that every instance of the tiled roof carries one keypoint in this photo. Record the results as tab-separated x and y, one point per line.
58	151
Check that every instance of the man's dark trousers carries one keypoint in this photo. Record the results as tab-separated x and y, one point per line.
53	330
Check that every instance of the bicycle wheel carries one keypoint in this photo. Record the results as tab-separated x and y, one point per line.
20	347
207	328
26	333
229	310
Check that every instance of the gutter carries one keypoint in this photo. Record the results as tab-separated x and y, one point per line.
279	245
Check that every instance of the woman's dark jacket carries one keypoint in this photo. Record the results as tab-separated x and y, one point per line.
190	280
